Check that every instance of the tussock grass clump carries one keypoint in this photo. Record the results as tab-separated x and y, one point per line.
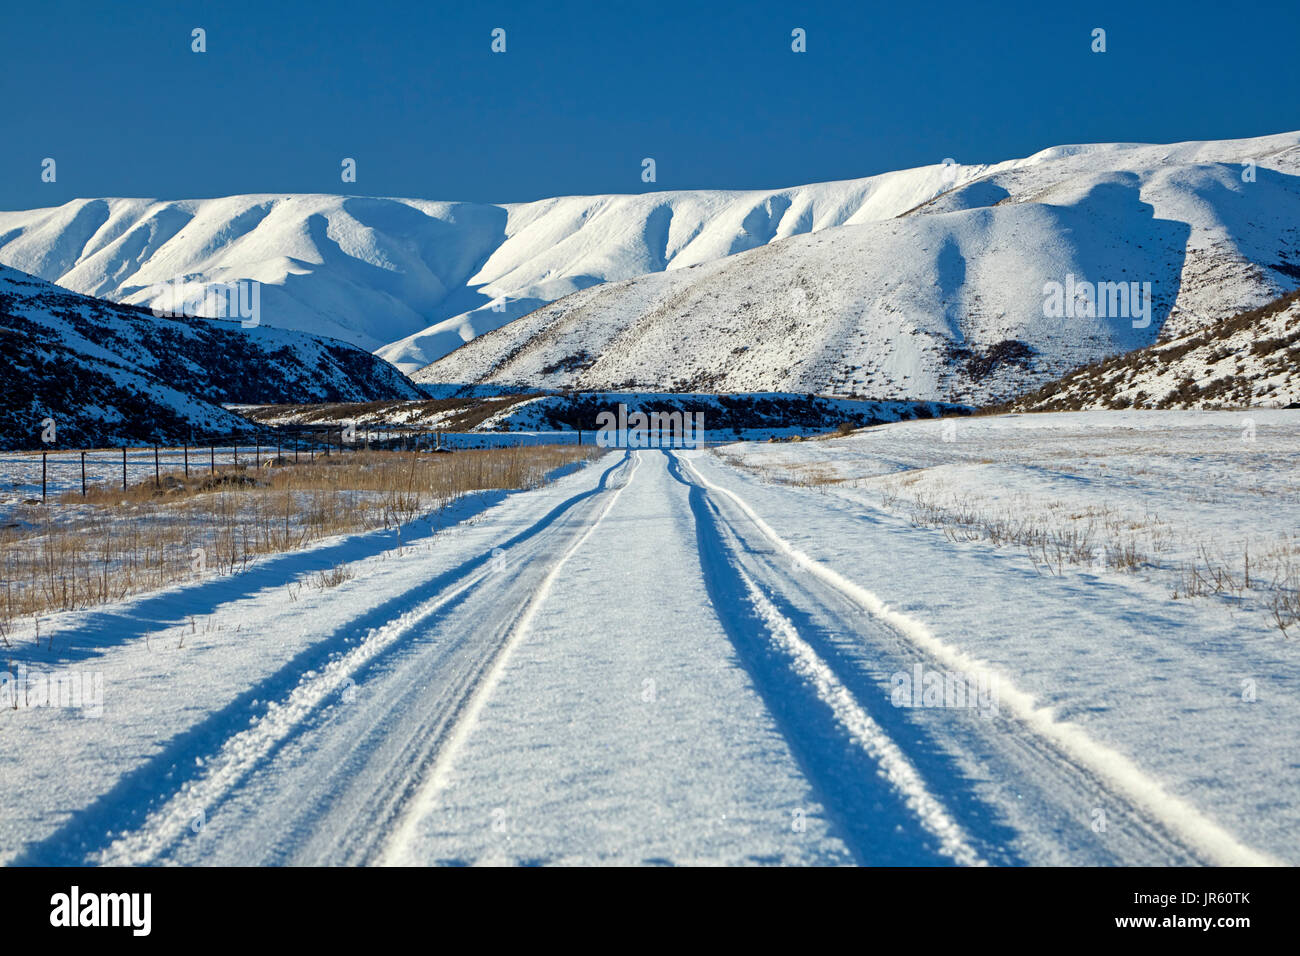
332	578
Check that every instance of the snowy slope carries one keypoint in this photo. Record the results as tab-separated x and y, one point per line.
944	303
372	271
415	279
107	373
1252	359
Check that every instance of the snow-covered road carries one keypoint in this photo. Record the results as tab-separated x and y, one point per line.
631	665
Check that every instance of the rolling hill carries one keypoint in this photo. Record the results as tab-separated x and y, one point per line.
946	302
417	276
106	373
924	283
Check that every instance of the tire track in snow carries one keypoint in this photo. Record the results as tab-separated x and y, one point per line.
810	702
241	753
864	731
1116	770
425	800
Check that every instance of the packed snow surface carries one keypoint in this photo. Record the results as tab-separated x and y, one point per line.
716	657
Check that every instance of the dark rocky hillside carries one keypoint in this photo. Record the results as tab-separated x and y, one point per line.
107	373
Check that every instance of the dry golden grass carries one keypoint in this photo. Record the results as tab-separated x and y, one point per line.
798	474
76	553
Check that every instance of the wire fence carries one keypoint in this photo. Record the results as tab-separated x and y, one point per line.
63	470
75	469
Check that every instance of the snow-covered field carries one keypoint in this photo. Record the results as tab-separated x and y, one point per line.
720	656
1156	495
750	415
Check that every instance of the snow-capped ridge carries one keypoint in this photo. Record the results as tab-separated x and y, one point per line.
950	301
414	279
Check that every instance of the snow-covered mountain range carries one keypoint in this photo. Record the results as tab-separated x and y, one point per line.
946	301
416	276
104	373
924	283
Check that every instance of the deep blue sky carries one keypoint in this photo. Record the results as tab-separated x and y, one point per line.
711	90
